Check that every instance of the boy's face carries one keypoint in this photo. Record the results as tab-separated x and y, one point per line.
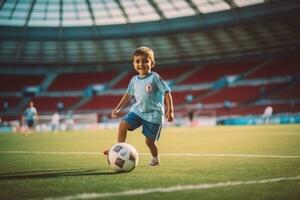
142	64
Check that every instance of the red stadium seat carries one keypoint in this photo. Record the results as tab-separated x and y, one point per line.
79	81
16	82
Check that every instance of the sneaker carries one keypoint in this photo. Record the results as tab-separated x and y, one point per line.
154	162
105	152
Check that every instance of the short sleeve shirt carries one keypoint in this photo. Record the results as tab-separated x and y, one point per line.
149	94
30	113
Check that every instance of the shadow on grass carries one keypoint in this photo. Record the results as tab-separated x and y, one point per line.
54	174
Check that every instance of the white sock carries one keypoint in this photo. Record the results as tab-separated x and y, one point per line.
155	158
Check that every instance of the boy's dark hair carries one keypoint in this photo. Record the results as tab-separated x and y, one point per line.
145	51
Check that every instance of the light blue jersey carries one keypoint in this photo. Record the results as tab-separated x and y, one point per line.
30	113
149	94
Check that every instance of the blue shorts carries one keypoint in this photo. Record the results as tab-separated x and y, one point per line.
30	123
150	130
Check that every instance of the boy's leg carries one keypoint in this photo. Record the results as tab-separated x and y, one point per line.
152	132
154	152
152	147
130	122
122	133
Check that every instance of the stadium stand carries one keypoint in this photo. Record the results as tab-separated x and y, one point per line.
123	83
289	92
285	66
181	97
8	103
52	104
238	94
17	82
212	72
101	102
79	81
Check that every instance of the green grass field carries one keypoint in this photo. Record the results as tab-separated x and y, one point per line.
261	162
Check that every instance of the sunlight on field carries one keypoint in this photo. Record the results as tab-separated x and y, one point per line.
199	160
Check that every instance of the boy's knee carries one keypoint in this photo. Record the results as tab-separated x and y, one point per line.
124	125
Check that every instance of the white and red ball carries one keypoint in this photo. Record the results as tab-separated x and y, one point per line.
123	157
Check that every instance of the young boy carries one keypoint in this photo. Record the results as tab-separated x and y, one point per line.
30	117
150	92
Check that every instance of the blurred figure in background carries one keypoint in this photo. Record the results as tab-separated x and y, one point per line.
30	117
268	112
55	122
69	121
190	109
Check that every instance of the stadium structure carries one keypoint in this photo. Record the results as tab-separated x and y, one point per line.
224	59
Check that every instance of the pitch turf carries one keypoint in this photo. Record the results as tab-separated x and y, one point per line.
196	163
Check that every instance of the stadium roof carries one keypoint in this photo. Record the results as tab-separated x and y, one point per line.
265	28
55	13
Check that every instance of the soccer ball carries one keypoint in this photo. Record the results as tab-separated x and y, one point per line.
122	157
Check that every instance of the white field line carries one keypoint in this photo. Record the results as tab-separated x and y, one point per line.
177	188
163	154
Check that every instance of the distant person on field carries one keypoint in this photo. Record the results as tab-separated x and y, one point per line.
30	117
190	108
150	93
55	122
268	112
69	121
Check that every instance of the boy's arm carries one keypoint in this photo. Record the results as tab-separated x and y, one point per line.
170	108
126	97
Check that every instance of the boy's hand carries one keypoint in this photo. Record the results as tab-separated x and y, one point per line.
115	113
170	116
